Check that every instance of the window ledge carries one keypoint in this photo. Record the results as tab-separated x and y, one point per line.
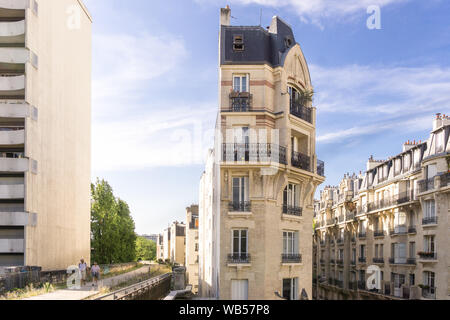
239	265
291	217
291	264
239	214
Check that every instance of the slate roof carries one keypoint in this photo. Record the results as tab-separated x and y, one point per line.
261	46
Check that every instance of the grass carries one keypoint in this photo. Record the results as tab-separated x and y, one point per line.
28	292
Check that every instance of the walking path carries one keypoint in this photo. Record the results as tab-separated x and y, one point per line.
89	290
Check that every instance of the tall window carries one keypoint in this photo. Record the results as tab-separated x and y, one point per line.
290	289
412	249
240	83
290	242
400	252
291	195
362	251
240	191
431	171
428	279
240	242
429	244
429	209
440	142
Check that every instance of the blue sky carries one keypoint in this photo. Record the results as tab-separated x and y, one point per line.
155	87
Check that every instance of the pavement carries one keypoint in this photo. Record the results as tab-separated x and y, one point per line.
89	290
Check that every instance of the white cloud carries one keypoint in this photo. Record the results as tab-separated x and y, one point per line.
380	98
316	10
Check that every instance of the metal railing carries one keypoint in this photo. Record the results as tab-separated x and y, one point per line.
321	168
429	292
361	209
378	260
362	235
292	210
257	152
429	220
240	101
426	185
301	111
428	255
378	233
362	259
412	229
130	291
445	179
398	230
239	258
240	206
291	258
350	216
301	161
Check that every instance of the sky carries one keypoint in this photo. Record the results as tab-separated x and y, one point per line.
155	94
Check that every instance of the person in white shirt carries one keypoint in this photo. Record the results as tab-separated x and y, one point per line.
82	266
95	272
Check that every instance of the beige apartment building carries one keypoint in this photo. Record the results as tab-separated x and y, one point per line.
45	133
178	243
390	223
257	191
192	246
166	244
160	247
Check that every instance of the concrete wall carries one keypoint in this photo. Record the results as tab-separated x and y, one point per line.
60	139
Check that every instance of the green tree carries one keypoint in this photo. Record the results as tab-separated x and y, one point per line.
145	249
112	227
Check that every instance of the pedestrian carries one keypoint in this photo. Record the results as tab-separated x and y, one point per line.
95	272
82	267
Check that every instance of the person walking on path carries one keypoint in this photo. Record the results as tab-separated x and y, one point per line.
95	272
82	266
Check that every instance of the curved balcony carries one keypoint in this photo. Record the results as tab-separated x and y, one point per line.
12	137
12	245
14	55
12	32
12	83
13	164
13	191
14	110
14	4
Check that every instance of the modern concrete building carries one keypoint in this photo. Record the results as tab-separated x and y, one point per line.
393	218
192	246
178	243
45	133
257	192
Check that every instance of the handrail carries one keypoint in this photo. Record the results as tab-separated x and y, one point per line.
127	291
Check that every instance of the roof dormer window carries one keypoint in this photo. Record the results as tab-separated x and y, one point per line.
238	43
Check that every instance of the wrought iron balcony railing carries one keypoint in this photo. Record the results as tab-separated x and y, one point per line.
253	152
378	233
239	258
426	185
429	292
412	229
292	210
340	262
445	180
321	168
301	161
301	111
362	259
240	206
378	260
240	101
291	258
398	230
428	255
429	220
350	216
362	235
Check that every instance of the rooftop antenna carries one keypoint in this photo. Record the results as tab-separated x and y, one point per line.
260	16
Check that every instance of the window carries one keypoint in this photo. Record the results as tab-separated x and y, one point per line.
240	190
406	162
239	289
428	279
353	255
400	252
431	171
428	244
196	247
290	289
290	242
440	141
291	196
412	279
238	43
362	251
341	254
240	83
240	242
412	249
429	209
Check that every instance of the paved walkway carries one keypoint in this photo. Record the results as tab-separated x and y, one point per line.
89	290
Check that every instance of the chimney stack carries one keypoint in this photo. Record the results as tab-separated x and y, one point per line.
225	16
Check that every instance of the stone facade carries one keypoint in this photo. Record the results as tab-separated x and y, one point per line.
192	246
394	217
256	195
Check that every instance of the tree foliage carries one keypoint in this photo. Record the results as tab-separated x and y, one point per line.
113	239
145	249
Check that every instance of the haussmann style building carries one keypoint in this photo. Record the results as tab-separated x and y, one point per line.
45	133
192	247
257	191
393	219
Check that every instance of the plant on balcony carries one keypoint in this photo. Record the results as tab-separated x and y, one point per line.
426	254
424	286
